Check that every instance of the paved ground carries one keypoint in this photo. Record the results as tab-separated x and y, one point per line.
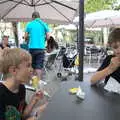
53	82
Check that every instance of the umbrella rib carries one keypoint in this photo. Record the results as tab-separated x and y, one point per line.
37	2
10	10
112	21
59	12
19	2
63	5
32	2
4	1
43	4
93	23
27	2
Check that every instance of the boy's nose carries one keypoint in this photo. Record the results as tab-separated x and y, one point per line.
118	50
31	70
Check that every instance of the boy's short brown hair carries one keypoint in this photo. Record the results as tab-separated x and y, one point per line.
12	57
114	36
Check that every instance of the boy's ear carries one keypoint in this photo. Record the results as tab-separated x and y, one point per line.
12	69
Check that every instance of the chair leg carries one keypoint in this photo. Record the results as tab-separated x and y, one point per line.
1	77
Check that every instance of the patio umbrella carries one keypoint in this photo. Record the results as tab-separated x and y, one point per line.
105	18
51	11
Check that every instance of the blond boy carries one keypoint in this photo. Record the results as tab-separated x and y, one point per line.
15	65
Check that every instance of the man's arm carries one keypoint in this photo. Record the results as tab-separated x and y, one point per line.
26	36
48	34
47	31
27	30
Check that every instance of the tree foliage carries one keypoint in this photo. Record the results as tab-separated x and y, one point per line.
96	5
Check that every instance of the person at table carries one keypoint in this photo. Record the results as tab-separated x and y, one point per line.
51	45
111	64
52	50
4	43
17	72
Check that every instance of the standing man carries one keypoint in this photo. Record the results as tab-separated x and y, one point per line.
37	32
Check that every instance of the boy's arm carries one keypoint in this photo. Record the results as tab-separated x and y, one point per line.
100	75
35	98
29	108
2	114
114	64
31	118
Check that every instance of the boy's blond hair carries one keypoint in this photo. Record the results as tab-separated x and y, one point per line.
12	57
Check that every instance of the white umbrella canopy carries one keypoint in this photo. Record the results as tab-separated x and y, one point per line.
105	18
66	27
51	11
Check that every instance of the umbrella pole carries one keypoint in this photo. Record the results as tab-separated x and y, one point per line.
77	26
15	32
81	40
